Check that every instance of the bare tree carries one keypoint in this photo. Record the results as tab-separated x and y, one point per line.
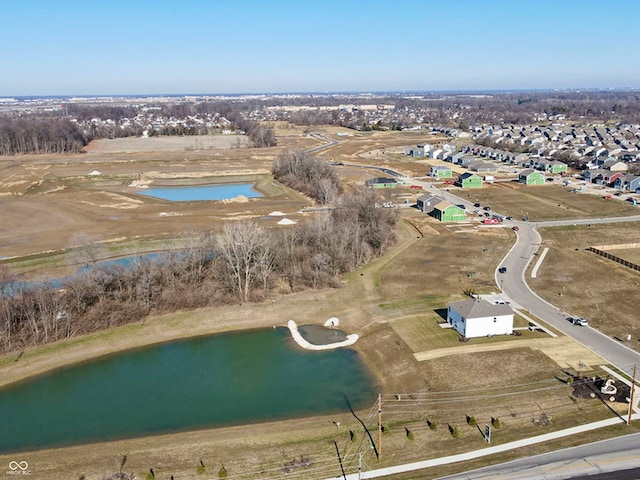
242	246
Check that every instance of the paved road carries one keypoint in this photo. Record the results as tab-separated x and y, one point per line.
614	455
621	454
514	285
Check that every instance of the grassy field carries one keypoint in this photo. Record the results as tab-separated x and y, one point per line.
585	284
545	202
394	304
629	254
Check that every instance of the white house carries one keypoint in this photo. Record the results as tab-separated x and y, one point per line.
478	318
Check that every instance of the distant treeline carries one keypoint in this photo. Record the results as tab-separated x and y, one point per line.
40	135
69	130
241	263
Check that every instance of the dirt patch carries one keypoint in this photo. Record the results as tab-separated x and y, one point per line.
167	144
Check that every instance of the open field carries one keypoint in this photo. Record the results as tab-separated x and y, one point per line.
393	303
269	446
585	284
544	202
629	254
52	203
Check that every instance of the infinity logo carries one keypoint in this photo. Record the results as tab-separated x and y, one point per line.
13	465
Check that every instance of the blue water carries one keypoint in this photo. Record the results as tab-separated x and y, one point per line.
207	192
235	378
11	287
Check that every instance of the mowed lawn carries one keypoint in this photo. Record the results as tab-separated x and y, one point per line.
545	202
424	332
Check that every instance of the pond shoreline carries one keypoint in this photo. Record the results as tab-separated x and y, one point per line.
302	342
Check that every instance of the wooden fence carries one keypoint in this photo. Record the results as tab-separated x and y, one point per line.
600	251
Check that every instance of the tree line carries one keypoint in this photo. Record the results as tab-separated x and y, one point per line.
40	135
241	262
69	130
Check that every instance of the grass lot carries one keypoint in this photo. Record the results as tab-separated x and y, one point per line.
629	254
544	202
598	289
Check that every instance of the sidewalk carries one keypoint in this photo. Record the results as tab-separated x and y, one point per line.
461	457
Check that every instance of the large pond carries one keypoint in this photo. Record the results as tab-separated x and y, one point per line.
235	378
206	192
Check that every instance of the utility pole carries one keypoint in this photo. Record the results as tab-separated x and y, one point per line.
379	426
633	389
344	475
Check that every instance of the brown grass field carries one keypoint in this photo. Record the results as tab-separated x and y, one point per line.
598	289
394	304
629	254
545	202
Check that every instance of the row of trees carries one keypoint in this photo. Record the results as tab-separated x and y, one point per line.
44	135
240	263
69	129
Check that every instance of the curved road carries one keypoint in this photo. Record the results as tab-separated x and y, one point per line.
514	285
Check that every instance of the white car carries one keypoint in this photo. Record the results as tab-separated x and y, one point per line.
579	321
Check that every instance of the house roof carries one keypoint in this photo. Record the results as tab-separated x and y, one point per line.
442	206
478	308
466	175
427	197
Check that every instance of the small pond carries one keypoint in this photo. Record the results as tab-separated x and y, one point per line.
205	192
10	288
227	379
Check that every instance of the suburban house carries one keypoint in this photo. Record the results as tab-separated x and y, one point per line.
447	212
481	166
606	177
469	180
478	318
440	171
591	174
437	153
456	157
531	177
381	182
417	150
628	182
427	202
555	166
614	165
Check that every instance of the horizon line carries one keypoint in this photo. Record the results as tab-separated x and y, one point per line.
331	92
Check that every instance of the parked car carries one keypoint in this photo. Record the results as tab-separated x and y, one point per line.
508	218
582	322
502	269
487	208
476	205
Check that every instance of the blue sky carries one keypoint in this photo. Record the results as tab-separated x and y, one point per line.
74	47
